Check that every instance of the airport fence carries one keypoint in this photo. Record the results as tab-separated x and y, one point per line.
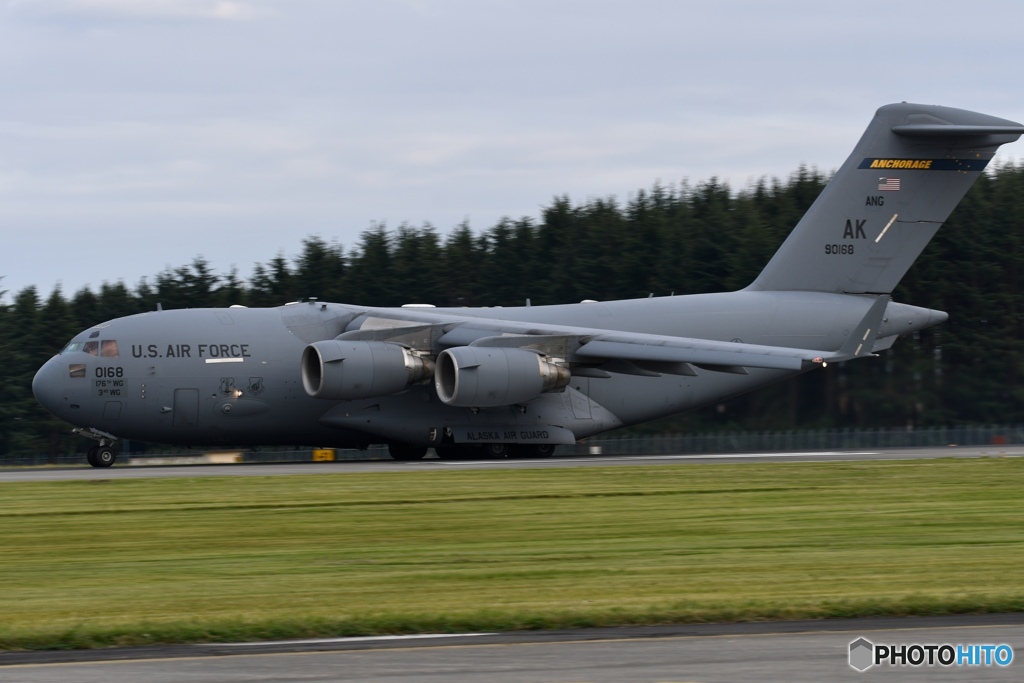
804	440
996	436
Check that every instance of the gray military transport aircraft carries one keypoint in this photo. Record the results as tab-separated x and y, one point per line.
519	381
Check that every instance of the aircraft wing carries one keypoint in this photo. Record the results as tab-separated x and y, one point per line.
733	356
628	351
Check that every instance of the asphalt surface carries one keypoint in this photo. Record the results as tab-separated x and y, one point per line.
85	472
784	651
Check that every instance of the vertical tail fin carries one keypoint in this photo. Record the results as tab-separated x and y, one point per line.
910	169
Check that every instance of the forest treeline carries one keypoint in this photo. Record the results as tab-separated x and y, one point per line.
683	239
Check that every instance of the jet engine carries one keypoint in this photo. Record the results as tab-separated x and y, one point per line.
347	370
487	377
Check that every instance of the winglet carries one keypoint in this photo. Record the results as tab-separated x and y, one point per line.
862	341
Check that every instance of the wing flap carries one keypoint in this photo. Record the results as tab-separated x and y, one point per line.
709	353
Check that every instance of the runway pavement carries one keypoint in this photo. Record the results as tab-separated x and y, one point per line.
784	651
85	472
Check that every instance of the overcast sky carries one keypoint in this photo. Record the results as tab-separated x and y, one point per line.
136	135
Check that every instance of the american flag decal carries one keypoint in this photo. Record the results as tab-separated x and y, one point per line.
888	184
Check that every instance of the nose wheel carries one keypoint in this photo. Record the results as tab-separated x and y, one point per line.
101	456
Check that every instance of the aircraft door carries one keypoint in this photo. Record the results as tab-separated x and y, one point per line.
112	410
186	409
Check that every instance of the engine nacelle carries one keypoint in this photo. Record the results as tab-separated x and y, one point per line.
347	370
487	377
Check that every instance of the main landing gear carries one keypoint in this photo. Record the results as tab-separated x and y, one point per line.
494	451
405	452
490	451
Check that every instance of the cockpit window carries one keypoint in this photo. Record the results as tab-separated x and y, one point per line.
105	349
77	370
72	347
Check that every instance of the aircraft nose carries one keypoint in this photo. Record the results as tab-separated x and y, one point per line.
48	387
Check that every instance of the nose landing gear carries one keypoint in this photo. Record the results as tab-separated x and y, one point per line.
101	456
104	454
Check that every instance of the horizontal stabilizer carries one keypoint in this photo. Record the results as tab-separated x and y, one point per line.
952	130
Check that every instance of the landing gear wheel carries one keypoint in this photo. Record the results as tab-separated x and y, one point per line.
497	450
405	452
458	452
535	450
105	456
101	456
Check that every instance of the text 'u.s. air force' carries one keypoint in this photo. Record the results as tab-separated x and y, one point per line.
186	351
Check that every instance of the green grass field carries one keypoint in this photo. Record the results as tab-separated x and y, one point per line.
89	564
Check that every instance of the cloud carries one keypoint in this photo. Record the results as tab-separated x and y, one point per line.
134	10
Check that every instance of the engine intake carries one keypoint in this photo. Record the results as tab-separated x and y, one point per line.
347	370
488	377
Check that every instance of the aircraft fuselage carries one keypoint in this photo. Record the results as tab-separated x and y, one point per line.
232	376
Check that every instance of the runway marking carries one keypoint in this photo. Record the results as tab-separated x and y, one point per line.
352	639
